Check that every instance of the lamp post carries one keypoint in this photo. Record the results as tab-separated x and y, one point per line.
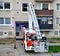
13	26
15	42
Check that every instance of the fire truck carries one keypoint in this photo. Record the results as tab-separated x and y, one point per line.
33	40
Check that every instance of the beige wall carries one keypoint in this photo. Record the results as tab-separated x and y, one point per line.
17	14
56	14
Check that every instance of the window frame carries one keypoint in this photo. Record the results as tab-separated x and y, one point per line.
47	18
42	6
25	7
56	32
3	20
39	8
5	23
3	6
58	21
56	7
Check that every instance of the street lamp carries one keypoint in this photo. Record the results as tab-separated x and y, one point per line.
13	26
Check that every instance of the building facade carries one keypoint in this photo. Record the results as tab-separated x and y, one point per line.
14	14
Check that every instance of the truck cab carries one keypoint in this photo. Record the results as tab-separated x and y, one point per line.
30	37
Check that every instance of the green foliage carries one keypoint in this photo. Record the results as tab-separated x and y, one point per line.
54	49
54	38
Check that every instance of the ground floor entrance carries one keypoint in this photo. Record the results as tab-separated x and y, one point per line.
18	27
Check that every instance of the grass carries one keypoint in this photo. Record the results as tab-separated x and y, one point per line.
54	49
6	40
54	40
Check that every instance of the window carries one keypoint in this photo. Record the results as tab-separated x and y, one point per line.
59	32
1	20
1	33
50	20
57	20
1	5
39	6
24	7
7	5
5	21
45	6
56	32
4	5
43	20
58	6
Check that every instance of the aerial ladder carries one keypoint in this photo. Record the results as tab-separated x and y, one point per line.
43	45
33	39
34	21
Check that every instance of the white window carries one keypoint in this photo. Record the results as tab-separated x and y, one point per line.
43	6
1	20
50	20
5	5
43	20
59	32
58	6
1	5
57	20
5	21
56	32
39	6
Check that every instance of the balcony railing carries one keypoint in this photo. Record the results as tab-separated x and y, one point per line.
46	26
44	0
44	12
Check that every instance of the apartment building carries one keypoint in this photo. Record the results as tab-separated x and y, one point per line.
14	14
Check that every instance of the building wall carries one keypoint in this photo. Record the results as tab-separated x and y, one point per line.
16	14
56	15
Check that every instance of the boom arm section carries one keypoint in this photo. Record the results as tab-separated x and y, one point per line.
34	20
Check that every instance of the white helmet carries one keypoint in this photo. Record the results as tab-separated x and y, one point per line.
43	35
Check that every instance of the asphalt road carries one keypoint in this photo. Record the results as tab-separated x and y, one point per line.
21	51
8	50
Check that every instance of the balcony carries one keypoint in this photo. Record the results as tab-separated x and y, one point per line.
44	0
46	26
44	12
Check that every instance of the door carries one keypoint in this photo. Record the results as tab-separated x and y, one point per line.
18	27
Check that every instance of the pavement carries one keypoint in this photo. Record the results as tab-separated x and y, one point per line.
54	44
8	50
